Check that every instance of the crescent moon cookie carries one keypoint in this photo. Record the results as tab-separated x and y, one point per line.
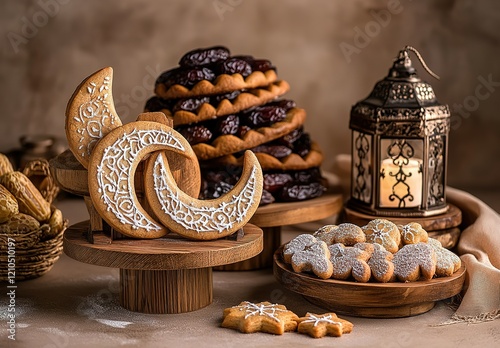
383	232
111	174
307	254
413	233
349	261
447	262
250	317
345	233
202	219
90	114
415	261
321	325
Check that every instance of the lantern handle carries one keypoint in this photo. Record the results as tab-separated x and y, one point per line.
421	59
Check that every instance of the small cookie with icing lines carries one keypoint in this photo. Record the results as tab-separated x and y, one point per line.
345	233
380	262
383	232
321	325
413	233
447	262
415	261
307	254
349	261
250	317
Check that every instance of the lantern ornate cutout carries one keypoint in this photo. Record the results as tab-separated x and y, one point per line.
399	146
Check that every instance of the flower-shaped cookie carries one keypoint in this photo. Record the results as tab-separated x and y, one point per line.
349	261
320	325
305	253
346	233
413	233
415	261
447	262
380	261
251	317
383	232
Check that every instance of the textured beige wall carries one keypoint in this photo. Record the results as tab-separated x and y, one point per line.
49	46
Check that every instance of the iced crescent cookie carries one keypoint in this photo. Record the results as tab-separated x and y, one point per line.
349	261
307	254
90	114
346	233
413	233
380	262
415	261
383	232
321	325
447	262
250	317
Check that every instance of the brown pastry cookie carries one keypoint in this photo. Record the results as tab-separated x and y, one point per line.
349	261
207	111
345	233
306	254
321	325
383	232
415	261
380	261
447	262
412	233
250	317
223	83
229	144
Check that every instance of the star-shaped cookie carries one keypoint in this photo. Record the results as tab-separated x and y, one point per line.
320	325
250	317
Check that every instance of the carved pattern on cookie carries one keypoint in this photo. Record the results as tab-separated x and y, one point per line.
447	262
203	219
383	232
90	114
228	144
349	261
251	317
111	174
223	83
415	261
320	325
412	233
245	100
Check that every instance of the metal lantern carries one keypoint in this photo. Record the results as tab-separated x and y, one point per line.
399	146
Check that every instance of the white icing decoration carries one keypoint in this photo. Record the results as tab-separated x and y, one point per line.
95	116
202	219
321	319
252	309
116	183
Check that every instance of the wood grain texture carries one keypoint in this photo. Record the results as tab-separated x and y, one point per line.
169	253
289	213
383	300
165	292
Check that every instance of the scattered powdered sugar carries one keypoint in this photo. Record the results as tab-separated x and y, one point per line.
114	323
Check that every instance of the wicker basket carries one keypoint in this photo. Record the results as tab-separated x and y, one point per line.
33	255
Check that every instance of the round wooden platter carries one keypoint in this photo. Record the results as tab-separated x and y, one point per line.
164	275
371	300
273	216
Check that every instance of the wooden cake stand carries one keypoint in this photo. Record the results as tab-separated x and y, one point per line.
272	217
164	275
443	227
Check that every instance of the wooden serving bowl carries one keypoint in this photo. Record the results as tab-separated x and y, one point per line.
372	300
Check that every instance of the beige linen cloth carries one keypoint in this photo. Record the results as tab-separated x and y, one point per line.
478	247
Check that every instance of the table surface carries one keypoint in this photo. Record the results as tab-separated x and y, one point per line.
76	305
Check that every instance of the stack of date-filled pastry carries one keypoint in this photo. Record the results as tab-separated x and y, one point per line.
224	105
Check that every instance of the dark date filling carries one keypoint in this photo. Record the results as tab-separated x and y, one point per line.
279	186
207	63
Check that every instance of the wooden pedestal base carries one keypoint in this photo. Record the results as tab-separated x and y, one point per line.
273	216
164	275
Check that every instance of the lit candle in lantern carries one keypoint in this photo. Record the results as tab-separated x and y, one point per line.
400	183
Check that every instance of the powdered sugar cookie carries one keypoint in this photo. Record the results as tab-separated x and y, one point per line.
250	317
325	234
345	233
380	262
447	262
307	254
299	243
349	261
321	325
415	261
413	233
383	232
